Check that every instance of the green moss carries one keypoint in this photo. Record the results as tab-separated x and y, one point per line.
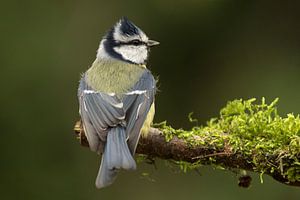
254	130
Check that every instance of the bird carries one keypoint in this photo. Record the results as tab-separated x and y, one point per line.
116	99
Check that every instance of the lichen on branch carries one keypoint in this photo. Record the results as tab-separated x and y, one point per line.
247	135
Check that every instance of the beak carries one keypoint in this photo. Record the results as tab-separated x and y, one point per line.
151	43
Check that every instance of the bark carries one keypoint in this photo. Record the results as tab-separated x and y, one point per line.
155	145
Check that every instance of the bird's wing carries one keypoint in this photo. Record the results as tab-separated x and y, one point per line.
137	103
98	111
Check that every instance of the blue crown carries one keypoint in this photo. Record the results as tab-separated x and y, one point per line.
127	27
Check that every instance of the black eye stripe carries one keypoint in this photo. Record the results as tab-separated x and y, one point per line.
132	42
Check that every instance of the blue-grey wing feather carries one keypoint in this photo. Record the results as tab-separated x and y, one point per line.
137	104
99	111
89	129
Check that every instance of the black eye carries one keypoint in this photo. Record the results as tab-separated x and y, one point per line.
135	42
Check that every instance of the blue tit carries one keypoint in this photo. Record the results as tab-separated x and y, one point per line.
116	99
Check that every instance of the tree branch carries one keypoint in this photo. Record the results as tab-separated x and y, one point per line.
246	136
155	145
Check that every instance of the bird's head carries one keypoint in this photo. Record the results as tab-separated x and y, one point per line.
125	41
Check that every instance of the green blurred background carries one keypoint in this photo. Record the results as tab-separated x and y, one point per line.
211	51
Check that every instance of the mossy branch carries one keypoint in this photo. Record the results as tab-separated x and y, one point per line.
246	136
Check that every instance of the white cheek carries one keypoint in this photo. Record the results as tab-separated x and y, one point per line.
101	53
136	54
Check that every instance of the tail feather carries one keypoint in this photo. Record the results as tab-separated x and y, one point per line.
105	175
116	156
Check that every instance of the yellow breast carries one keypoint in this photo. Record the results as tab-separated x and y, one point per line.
148	121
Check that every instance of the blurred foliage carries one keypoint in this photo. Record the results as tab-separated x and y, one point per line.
211	51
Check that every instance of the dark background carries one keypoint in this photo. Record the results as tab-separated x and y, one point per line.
211	51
